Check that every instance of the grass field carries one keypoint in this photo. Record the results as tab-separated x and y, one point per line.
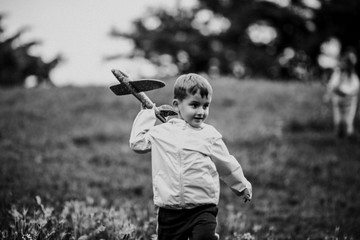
69	147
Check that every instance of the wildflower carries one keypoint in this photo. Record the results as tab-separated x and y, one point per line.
26	237
257	227
247	236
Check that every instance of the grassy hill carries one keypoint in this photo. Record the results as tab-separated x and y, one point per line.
69	147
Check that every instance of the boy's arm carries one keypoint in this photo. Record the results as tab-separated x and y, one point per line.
139	139
230	170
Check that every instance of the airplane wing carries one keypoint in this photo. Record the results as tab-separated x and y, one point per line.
141	85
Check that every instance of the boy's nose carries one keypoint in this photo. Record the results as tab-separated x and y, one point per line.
200	111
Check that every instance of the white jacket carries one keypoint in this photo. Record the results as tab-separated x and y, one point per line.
186	161
343	85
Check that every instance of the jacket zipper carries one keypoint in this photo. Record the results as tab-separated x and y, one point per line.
182	201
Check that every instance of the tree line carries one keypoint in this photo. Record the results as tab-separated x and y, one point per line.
17	64
245	37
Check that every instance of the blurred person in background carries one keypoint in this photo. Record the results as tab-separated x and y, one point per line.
343	91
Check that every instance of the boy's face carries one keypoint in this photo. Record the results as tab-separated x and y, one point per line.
194	109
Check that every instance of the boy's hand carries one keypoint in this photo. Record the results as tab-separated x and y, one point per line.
247	195
145	107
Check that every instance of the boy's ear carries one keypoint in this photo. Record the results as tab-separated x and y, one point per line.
175	104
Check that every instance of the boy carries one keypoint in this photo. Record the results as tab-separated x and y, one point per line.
188	157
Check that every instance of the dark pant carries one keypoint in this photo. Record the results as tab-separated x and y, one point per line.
195	224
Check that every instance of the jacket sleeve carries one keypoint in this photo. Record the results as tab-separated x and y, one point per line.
139	137
229	169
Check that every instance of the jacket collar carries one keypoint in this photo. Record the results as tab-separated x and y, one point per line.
180	122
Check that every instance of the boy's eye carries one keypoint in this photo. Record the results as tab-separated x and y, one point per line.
194	105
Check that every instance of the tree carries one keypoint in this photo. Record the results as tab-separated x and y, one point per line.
339	19
16	63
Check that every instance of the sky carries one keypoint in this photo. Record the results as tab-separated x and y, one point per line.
79	30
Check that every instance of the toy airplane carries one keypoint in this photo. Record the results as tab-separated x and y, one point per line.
137	88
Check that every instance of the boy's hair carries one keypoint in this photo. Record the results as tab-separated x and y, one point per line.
189	84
